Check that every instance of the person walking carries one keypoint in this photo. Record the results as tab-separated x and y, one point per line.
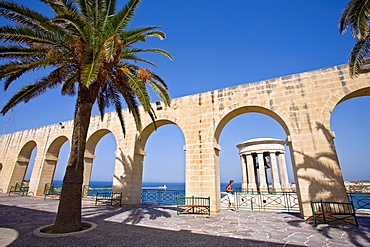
230	194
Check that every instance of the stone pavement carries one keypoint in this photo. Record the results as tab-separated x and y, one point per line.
151	225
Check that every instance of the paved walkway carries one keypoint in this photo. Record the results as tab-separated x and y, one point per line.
160	226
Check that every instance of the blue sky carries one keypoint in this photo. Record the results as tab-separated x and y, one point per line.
219	44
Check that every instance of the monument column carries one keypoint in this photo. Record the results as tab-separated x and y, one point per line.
261	164
274	172
252	185
244	173
283	172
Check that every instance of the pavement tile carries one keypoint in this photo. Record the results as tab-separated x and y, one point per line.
153	225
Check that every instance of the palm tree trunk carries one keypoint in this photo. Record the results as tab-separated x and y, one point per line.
69	211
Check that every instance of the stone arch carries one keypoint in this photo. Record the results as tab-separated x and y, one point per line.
251	109
135	166
336	136
338	98
149	129
21	163
91	143
49	164
247	109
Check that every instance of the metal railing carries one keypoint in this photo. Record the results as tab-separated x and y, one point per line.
160	197
360	200
56	189
285	201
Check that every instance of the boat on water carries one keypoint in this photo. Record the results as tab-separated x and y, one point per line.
164	187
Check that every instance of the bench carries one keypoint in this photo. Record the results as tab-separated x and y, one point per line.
108	197
19	188
334	211
50	190
193	205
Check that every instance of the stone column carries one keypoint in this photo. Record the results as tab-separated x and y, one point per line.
244	173
283	172
46	174
274	172
263	181
88	163
128	173
252	184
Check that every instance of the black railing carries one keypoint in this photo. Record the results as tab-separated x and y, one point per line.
286	201
360	200
160	197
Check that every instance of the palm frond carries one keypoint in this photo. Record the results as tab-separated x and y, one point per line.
140	91
118	106
102	103
91	69
137	34
130	57
80	26
358	55
25	35
29	92
68	86
137	50
161	91
111	7
59	6
112	48
356	15
17	51
130	100
13	70
122	18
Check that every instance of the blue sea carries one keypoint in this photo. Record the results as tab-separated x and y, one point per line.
169	185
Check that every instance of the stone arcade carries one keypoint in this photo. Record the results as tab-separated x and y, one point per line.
301	103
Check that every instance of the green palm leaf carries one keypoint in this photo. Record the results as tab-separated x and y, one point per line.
356	15
359	52
122	18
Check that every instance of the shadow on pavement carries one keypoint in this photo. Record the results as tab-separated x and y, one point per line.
24	221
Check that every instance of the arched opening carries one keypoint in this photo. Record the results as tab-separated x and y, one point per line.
100	160
24	165
249	126
61	165
164	164
350	123
54	166
262	166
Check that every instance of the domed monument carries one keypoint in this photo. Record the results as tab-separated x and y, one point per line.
257	156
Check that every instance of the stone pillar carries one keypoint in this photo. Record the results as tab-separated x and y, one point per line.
252	184
203	172
46	174
244	173
263	181
128	174
283	173
88	163
274	172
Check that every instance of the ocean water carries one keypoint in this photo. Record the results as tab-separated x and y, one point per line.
170	186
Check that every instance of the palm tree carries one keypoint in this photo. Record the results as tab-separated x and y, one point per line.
356	16
91	54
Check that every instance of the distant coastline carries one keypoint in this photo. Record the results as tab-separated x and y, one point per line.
357	186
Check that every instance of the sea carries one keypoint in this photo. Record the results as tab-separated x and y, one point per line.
359	200
169	185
